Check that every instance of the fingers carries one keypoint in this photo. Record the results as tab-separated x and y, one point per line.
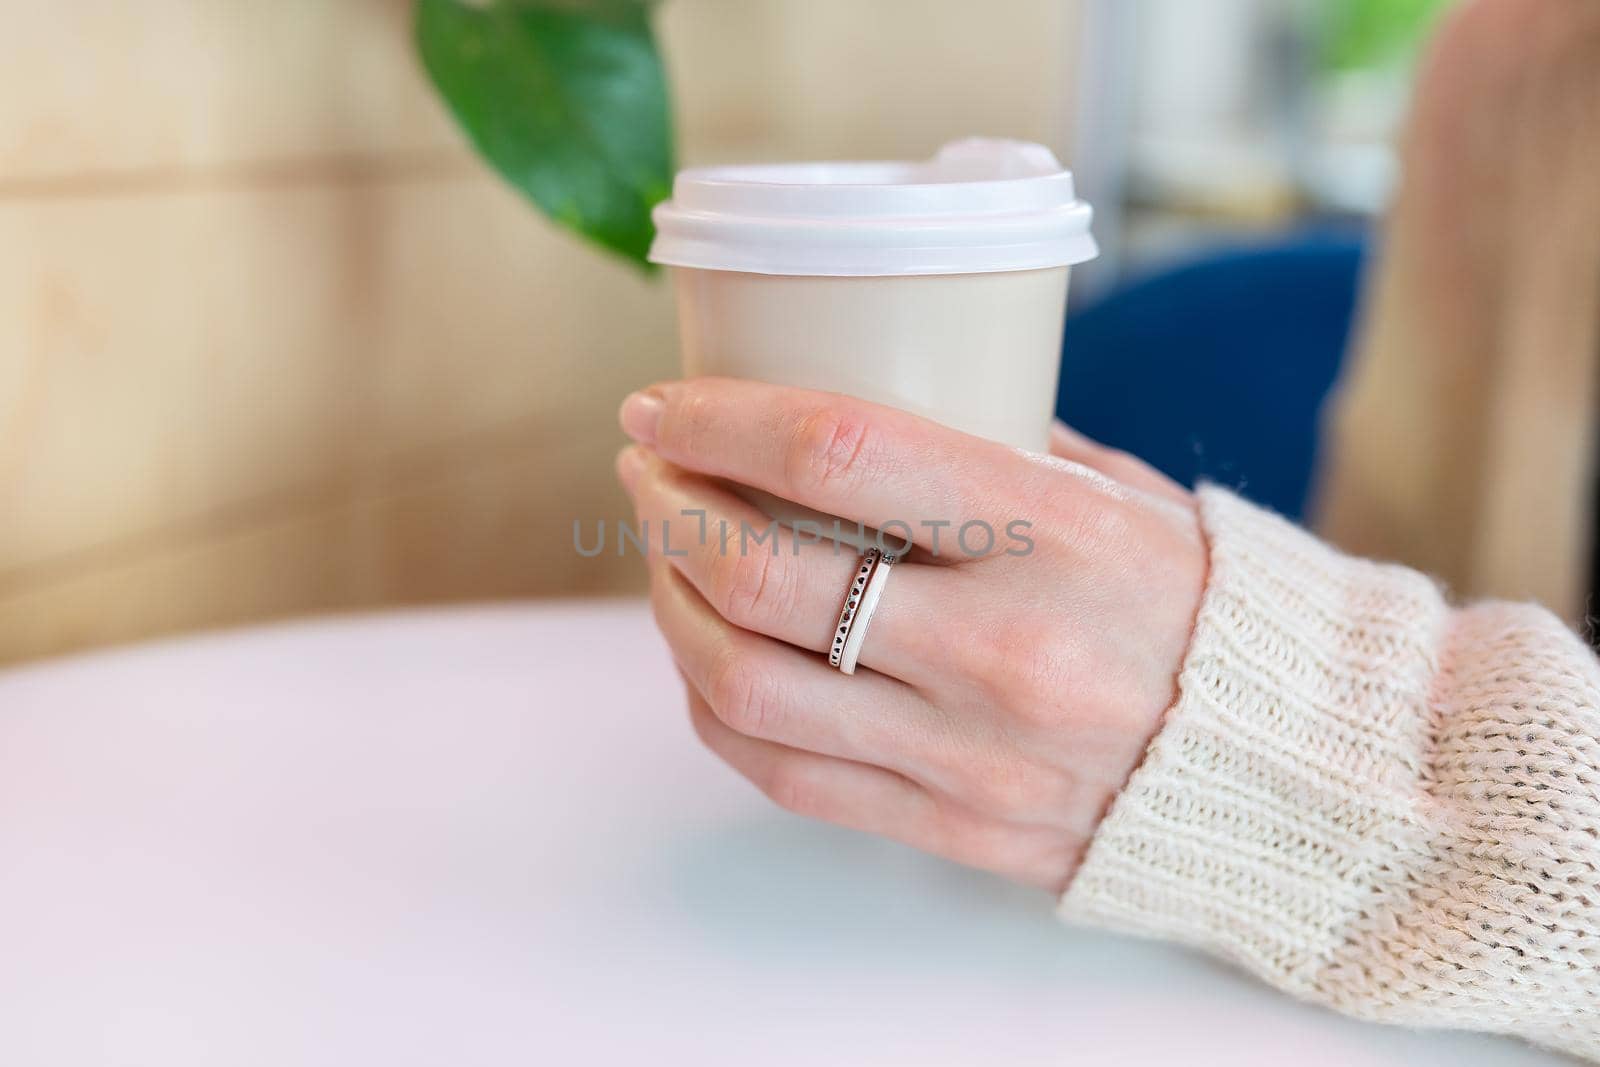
787	586
877	801
863	462
1067	443
771	691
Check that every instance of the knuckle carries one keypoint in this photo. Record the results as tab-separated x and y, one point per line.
1010	793
1023	677
743	697
1095	522
751	587
792	789
830	450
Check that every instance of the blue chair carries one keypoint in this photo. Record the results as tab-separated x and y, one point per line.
1218	369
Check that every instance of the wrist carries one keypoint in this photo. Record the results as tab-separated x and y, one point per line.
1273	786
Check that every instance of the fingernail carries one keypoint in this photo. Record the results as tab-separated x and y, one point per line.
640	415
630	466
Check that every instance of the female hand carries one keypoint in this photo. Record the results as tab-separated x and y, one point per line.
1010	691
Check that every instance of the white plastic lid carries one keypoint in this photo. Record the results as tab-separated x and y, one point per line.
976	207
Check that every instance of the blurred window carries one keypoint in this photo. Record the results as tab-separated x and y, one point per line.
1234	119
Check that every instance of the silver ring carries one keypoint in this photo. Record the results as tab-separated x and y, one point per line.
852	601
866	590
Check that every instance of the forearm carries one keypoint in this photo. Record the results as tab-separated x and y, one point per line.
1369	799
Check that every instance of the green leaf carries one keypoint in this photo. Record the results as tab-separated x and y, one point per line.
1363	34
567	99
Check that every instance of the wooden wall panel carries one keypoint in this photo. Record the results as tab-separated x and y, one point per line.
163	88
284	334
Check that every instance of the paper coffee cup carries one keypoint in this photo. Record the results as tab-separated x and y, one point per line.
937	287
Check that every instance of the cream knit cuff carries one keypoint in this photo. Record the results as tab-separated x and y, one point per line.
1278	797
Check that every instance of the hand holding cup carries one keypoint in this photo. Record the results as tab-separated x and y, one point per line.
1007	690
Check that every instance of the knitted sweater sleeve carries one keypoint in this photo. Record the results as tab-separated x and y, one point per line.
1369	799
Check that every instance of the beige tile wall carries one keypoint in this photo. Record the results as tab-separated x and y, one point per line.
272	342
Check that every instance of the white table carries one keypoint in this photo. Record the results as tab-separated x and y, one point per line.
488	837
